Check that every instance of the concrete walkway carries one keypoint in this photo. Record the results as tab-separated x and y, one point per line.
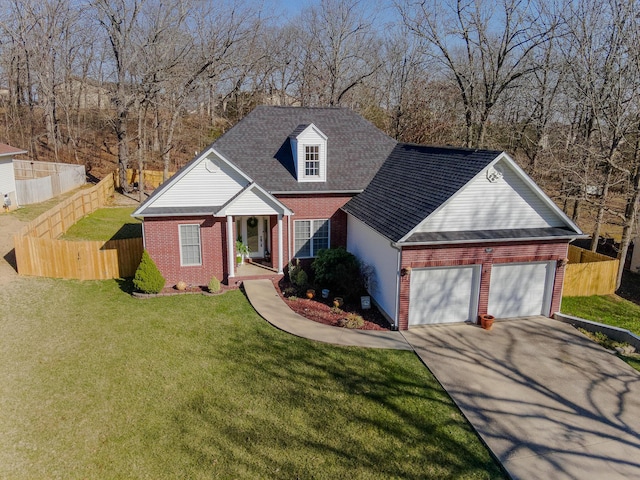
264	298
547	401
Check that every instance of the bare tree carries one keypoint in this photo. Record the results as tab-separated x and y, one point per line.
485	48
341	49
119	20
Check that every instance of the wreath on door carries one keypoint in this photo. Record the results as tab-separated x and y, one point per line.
252	222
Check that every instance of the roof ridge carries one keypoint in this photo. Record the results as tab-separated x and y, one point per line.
449	147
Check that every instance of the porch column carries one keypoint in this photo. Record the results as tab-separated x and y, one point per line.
231	264
280	246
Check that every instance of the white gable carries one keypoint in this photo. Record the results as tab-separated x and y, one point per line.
500	197
310	137
210	182
254	201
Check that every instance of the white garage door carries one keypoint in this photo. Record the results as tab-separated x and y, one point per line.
520	289
444	295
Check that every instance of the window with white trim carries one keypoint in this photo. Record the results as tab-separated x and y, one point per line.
310	237
190	252
312	160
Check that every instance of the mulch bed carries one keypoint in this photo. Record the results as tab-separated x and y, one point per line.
319	310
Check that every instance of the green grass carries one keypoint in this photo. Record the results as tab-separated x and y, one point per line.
608	309
106	224
31	212
97	384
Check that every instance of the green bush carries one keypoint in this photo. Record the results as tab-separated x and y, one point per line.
148	278
214	285
297	276
339	271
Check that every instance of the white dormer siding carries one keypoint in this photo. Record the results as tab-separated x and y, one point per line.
496	199
210	182
309	149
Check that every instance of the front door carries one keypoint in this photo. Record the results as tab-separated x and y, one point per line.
251	231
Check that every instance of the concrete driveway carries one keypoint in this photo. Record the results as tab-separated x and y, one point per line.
547	401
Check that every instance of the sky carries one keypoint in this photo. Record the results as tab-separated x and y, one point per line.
290	8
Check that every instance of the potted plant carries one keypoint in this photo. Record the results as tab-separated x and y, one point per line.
486	321
311	293
241	251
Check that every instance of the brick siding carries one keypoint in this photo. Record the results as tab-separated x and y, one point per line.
162	241
162	237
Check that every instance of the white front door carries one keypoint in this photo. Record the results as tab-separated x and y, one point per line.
251	231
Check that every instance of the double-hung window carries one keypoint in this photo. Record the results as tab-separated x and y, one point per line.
312	160
190	252
310	237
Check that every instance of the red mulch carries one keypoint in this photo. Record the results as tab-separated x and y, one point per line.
318	309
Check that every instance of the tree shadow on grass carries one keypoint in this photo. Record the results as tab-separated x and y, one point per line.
304	409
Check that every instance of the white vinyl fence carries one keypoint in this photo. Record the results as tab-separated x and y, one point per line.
40	181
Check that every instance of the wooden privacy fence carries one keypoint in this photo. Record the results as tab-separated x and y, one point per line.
589	273
40	253
152	178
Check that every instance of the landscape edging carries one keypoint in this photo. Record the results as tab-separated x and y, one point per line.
615	333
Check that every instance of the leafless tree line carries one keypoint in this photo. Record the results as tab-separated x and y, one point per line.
556	83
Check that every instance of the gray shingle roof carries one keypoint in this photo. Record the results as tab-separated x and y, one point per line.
413	182
260	146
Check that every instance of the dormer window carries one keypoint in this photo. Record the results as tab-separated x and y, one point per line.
309	150
312	160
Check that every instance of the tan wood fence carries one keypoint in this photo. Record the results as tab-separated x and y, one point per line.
152	178
40	253
589	273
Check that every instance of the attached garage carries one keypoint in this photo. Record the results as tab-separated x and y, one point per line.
521	289
444	295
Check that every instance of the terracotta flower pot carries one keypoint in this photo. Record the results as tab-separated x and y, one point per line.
311	293
486	321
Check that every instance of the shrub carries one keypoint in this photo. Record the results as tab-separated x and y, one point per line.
148	278
297	276
352	320
290	291
339	271
214	285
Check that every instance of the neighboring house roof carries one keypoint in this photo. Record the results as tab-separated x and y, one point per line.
7	150
260	146
416	182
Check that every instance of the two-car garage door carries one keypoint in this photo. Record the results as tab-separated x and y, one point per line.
450	294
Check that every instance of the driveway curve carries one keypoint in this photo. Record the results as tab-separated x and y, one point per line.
547	401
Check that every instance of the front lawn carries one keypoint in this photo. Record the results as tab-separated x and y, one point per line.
106	224
608	309
97	384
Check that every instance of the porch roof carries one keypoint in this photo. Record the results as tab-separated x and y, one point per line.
253	200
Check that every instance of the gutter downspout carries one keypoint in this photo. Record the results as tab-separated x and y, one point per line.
396	320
